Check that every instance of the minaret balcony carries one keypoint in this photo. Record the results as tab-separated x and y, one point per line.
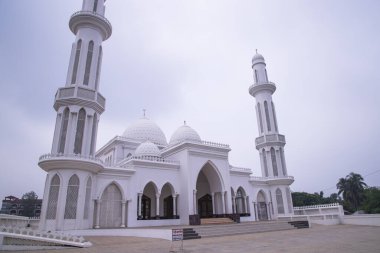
270	140
70	161
262	86
81	96
280	180
90	19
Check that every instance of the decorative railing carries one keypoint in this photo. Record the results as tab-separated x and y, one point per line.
53	238
215	144
271	178
152	159
270	138
92	13
80	92
70	156
233	168
316	206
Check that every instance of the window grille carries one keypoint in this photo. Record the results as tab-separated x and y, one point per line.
76	62
88	63
280	202
72	198
80	131
53	198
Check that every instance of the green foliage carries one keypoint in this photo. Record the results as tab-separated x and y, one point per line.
308	199
352	188
29	196
371	204
29	199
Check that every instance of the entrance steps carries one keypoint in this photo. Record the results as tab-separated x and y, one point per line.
242	228
214	221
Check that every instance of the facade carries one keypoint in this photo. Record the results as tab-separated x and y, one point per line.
22	207
140	178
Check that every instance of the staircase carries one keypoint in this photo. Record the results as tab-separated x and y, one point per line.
300	224
189	234
214	221
242	228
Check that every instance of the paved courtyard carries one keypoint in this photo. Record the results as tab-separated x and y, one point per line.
339	238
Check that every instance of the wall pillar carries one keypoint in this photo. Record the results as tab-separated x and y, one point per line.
123	214
255	210
268	212
233	204
247	204
158	205
223	205
174	205
97	222
195	211
213	202
139	196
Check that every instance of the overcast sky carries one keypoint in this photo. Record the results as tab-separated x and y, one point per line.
191	60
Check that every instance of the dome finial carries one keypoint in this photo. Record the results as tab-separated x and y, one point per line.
256	51
184	122
144	112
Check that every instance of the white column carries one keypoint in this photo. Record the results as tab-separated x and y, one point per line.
223	205
123	214
174	205
268	212
255	210
97	224
195	211
158	206
57	131
234	204
213	202
139	196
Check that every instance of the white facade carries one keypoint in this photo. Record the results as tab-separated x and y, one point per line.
140	179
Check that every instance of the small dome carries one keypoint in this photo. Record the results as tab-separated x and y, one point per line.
147	149
184	133
145	129
257	58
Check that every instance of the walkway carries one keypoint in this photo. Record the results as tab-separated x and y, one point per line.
339	238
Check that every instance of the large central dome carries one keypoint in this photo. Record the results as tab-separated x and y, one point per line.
145	130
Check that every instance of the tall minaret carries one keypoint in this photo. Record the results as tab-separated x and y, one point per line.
270	142
71	165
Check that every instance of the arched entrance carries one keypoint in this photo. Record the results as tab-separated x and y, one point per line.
262	211
167	204
149	209
110	207
210	196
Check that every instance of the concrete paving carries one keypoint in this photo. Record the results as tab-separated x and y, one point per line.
337	238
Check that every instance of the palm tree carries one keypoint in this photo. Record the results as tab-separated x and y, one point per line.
352	187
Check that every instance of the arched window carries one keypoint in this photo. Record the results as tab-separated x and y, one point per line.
72	198
240	201
62	137
80	131
260	118
53	198
93	134
283	162
76	62
87	199
280	202
267	115
274	162
289	198
98	67
88	63
274	117
256	76
95	6
265	163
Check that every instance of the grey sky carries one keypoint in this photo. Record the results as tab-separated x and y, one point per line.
190	60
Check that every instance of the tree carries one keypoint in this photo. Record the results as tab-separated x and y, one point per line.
29	200
371	203
352	188
29	196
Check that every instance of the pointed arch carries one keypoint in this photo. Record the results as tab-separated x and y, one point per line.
280	201
63	132
80	131
110	206
211	172
76	62
166	201
117	184
241	206
55	184
262	208
90	52
72	198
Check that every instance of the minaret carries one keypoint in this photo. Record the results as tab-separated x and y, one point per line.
270	142
71	164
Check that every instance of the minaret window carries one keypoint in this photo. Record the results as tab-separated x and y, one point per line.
280	202
274	162
62	138
53	198
87	199
95	6
76	62
256	76
98	68
93	135
283	162
274	117
72	198
265	163
260	118
267	115
80	131
88	63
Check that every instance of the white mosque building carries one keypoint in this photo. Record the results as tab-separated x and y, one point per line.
140	178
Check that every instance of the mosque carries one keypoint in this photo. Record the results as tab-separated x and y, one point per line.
141	178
